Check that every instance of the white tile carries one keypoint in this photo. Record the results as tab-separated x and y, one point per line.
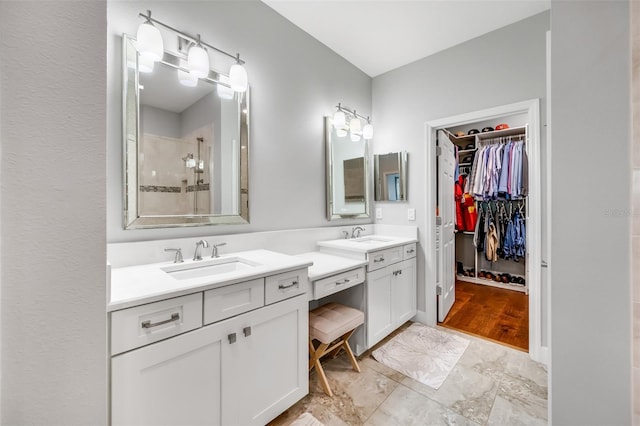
505	413
407	407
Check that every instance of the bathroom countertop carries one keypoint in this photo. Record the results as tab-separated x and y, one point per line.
325	265
366	243
136	285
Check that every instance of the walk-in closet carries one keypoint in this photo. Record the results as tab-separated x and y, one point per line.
485	166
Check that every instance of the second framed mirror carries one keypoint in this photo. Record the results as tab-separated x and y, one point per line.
390	176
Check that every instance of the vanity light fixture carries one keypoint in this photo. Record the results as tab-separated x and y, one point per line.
149	43
198	60
355	125
148	39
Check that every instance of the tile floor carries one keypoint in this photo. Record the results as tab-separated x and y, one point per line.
490	385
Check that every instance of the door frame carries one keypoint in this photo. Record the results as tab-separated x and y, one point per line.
534	243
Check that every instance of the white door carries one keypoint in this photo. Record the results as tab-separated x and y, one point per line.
173	382
446	242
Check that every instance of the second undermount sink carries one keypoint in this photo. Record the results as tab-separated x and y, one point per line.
208	268
371	239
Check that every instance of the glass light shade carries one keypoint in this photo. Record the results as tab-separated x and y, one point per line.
186	78
198	61
191	163
224	92
238	78
339	120
149	41
145	64
355	137
367	131
355	125
341	133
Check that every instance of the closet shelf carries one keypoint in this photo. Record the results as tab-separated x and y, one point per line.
464	151
512	131
465	164
508	286
464	232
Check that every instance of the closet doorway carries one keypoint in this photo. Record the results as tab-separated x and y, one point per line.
486	272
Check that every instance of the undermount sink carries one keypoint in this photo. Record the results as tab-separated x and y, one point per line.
371	239
207	268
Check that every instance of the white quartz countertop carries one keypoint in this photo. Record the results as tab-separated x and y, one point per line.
136	285
325	265
367	243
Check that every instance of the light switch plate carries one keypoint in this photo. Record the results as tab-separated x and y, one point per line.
411	214
378	212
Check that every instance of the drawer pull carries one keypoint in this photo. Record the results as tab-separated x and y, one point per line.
378	260
148	324
247	331
284	287
232	338
343	281
398	272
410	251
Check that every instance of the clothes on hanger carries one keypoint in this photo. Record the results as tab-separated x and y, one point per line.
499	171
501	230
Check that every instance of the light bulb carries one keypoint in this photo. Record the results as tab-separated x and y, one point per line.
339	120
186	78
198	61
238	78
145	64
355	125
149	41
367	131
224	92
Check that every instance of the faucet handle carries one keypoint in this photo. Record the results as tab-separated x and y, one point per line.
214	253
346	234
178	258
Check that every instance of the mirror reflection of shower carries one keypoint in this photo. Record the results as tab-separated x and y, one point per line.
197	164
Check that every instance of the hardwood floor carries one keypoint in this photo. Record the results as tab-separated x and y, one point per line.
493	313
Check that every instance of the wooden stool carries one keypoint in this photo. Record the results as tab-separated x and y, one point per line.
332	325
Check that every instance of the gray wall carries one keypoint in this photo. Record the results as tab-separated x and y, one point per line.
53	211
501	67
295	81
590	223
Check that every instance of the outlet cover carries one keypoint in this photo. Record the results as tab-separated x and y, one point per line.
411	214
378	212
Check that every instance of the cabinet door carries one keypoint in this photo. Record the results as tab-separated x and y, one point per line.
265	370
379	321
403	292
176	381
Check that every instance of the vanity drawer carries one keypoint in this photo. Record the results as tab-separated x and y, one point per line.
409	251
286	285
141	325
231	300
338	282
381	258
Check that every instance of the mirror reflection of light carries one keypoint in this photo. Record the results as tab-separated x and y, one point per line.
145	64
341	133
224	92
244	110
185	78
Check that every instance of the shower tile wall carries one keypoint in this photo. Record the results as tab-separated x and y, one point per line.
635	250
168	185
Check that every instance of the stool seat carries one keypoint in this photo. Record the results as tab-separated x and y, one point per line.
330	321
332	325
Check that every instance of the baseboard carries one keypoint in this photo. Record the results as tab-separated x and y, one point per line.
544	355
420	316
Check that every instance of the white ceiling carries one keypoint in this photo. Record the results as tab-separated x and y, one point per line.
378	36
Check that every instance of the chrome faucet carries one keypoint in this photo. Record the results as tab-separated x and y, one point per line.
355	231
196	254
215	249
178	258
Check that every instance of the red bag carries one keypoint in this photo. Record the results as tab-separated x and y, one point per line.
469	213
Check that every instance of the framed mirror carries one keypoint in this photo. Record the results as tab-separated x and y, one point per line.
390	176
186	148
347	174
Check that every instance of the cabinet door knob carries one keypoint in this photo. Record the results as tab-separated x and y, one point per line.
232	338
247	331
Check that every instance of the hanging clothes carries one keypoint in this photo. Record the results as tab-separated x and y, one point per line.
500	233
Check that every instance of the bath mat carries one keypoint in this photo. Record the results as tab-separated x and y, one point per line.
423	353
306	419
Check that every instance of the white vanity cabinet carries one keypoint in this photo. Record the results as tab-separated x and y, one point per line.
391	299
230	370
